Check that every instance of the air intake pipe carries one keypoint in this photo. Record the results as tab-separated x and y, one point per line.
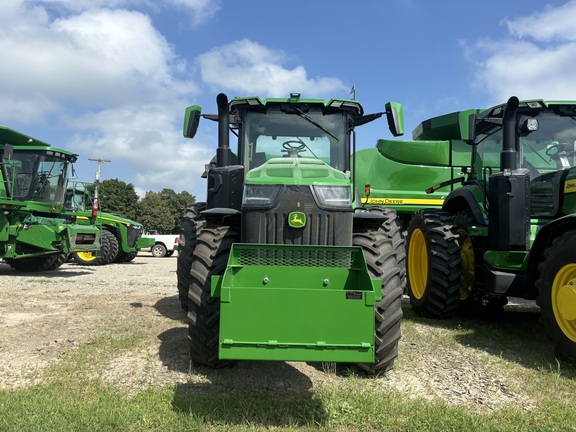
223	153
509	154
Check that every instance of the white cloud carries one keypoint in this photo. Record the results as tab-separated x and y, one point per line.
110	79
250	68
537	60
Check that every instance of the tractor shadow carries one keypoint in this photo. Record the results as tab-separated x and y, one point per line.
514	334
262	393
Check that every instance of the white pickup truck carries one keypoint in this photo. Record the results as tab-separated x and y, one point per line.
164	244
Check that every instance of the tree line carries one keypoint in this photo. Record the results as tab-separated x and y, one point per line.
160	211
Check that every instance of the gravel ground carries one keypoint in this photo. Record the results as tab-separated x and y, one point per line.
44	316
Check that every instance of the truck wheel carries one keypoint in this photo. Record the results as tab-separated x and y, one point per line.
94	258
210	258
385	258
36	264
158	250
557	293
434	269
192	222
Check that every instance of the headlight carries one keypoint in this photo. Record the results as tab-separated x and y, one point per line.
334	197
260	195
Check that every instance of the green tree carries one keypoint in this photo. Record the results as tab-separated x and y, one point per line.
154	214
118	197
177	204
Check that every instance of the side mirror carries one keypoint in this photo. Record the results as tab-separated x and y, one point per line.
467	125
395	116
8	152
191	120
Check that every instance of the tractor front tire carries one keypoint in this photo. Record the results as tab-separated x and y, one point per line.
385	258
124	257
192	222
210	258
557	293
434	267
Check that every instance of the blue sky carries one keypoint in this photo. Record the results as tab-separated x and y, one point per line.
110	78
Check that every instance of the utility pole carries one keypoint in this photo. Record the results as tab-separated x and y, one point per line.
96	183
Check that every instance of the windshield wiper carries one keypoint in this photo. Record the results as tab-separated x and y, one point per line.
314	122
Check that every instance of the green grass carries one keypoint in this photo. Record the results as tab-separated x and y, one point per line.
73	396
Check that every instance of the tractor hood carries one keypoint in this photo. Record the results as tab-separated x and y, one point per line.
297	171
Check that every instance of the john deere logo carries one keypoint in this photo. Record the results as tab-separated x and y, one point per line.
297	219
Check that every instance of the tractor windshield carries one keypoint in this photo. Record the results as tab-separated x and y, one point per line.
36	176
311	134
548	148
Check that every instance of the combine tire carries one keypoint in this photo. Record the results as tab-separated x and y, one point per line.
210	258
37	264
434	269
385	258
105	255
192	221
557	293
158	250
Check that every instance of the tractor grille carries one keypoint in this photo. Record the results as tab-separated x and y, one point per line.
297	258
270	226
133	234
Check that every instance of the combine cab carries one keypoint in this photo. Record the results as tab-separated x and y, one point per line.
35	234
281	262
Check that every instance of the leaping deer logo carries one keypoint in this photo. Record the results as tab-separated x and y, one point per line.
297	219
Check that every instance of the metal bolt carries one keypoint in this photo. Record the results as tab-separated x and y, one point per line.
326	282
265	280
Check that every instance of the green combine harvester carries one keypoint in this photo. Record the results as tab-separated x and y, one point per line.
121	238
504	224
35	233
282	262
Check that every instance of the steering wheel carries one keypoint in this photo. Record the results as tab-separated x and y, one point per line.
293	151
560	150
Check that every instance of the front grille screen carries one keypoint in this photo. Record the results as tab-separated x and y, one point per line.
297	258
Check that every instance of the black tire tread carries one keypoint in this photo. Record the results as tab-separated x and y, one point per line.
210	258
442	293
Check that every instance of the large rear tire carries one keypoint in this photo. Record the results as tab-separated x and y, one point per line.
557	293
210	258
192	222
37	264
434	266
385	258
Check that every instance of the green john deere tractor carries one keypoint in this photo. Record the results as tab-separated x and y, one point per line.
508	228
282	262
121	238
35	232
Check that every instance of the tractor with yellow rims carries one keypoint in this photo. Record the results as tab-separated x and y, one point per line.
506	227
282	262
121	238
36	234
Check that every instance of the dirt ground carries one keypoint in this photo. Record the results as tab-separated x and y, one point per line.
45	316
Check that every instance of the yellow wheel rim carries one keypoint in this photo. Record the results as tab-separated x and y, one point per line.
467	255
564	300
86	256
418	263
